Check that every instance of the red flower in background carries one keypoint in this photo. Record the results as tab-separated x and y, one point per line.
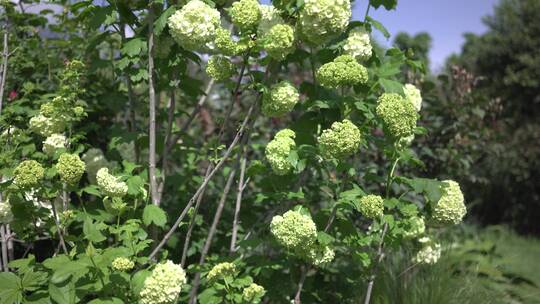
12	95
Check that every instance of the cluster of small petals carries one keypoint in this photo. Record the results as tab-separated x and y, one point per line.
270	16
415	227
413	95
53	143
28	174
253	292
279	41
225	43
429	253
320	255
280	100
277	151
122	264
245	14
45	126
5	212
358	44
343	71
320	20
70	168
450	209
109	184
221	271
220	68
340	141
194	25
294	230
94	160
399	117
371	206
164	284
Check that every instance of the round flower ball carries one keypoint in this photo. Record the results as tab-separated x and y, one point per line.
194	25
220	68
398	116
164	284
277	151
414	227
28	174
109	184
221	271
280	100
122	264
320	255
429	253
70	168
341	140
413	95
371	206
450	209
45	126
343	71
253	292
6	216
246	14
279	41
358	44
225	43
321	20
53	143
270	16
294	230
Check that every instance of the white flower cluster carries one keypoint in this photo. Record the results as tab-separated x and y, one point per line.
429	253
122	264
358	44
94	160
109	184
164	284
5	212
194	25
320	20
253	292
53	143
450	209
270	16
413	95
277	151
221	271
415	227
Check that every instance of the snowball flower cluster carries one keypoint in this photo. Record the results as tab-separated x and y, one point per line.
399	117
221	271
253	292
46	126
28	174
245	14
270	16
280	100
109	184
279	41
225	43
164	284
294	230
320	20
94	160
53	143
194	25
122	264
413	95
320	255
358	44
450	209
5	212
343	71
277	151
220	68
371	206
70	168
340	141
415	227
429	253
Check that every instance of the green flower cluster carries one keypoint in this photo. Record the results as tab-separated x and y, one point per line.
221	270
194	25
70	168
279	41
94	159
6	216
414	227
429	253
277	151
122	264
450	209
320	255
399	116
372	206
413	95
253	293
280	100
109	184
341	140
164	284
28	174
53	143
321	20
358	44
343	71
46	126
270	16
245	14
220	68
225	43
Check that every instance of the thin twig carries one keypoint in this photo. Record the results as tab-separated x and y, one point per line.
238	205
152	118
165	154
5	55
4	249
60	234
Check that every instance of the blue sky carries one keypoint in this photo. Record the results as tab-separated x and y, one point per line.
444	20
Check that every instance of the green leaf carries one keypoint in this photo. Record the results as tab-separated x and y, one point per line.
324	238
32	280
63	293
154	214
72	268
10	288
376	24
107	301
161	22
388	4
134	47
391	86
137	281
92	231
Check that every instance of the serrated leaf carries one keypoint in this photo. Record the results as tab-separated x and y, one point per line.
92	231
161	22
154	214
63	293
376	24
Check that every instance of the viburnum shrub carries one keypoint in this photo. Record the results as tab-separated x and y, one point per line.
279	180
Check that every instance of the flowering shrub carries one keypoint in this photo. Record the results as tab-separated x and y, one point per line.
184	192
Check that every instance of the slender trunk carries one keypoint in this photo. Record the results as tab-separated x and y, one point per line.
59	228
5	260
5	55
241	187
165	154
152	111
